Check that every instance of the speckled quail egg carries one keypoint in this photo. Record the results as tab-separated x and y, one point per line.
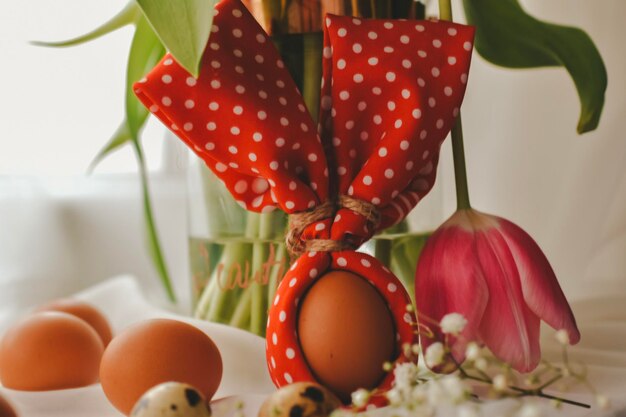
301	399
172	399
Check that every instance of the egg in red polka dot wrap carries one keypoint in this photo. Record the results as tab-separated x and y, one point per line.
391	90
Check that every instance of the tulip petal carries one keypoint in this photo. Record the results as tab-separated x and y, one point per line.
509	328
448	281
540	287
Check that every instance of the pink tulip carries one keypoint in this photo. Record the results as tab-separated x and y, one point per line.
494	274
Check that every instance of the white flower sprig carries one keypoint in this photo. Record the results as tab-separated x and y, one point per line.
418	392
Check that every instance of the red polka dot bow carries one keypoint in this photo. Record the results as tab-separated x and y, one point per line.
391	90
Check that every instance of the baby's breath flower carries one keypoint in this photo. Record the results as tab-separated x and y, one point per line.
360	397
603	401
455	389
434	354
499	382
419	394
387	366
435	393
453	323
405	375
395	397
529	410
472	351
562	337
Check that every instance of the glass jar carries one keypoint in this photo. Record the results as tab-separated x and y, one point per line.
237	257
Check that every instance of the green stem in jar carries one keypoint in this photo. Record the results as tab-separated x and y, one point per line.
236	256
278	270
260	253
224	219
355	8
445	10
216	300
312	67
373	9
273	11
204	301
241	315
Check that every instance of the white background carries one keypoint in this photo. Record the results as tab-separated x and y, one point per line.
58	107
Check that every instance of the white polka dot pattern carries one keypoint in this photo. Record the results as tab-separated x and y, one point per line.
243	115
245	100
390	93
387	117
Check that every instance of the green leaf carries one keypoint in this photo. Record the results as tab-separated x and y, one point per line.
145	52
507	36
127	16
120	137
152	237
183	27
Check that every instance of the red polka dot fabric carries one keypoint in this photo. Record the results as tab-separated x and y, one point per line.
391	91
244	116
390	94
285	358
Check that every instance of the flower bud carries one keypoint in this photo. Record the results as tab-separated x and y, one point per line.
500	383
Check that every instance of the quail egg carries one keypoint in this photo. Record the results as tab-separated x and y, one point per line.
172	399
300	399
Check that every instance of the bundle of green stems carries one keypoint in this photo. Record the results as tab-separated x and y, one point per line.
257	256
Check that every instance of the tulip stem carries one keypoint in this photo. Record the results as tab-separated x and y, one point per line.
460	171
458	153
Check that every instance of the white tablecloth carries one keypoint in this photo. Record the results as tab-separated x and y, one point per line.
121	300
603	349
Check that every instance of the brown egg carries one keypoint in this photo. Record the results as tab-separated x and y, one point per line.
83	311
49	351
5	408
156	351
346	332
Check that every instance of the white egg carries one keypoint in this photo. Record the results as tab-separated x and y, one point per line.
172	399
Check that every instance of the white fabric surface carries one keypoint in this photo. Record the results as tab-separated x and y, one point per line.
121	301
61	235
245	375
